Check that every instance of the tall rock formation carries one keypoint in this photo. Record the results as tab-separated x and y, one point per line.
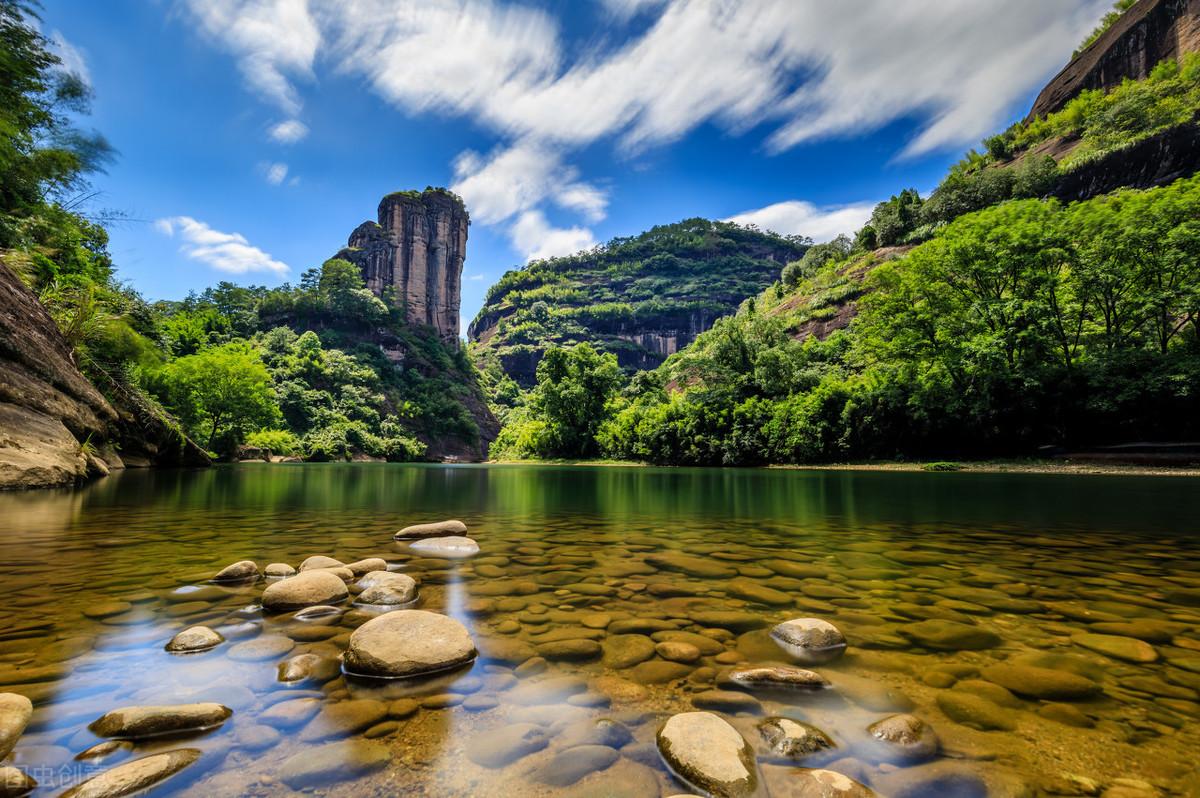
1145	34
414	253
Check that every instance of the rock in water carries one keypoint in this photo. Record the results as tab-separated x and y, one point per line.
194	638
278	569
810	640
502	746
136	723
367	566
775	678
136	776
304	590
1117	647
318	561
242	571
14	782
825	784
333	762
940	635
904	738
1044	683
794	739
434	530
408	643
15	712
708	755
385	588
450	547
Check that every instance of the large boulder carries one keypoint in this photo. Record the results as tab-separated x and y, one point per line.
137	723
306	589
15	712
408	643
708	755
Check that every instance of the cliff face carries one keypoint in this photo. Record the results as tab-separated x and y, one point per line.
49	410
1144	35
415	252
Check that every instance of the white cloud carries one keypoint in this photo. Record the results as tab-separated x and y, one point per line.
71	57
273	41
289	131
225	252
535	238
476	277
275	173
627	9
796	217
516	178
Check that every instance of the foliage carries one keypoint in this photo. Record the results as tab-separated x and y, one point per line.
276	441
817	256
575	389
1106	22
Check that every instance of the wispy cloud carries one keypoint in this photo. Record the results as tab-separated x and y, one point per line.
476	277
536	238
289	131
72	57
796	217
274	173
225	252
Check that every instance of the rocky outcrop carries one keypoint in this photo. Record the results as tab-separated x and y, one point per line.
1156	161
414	255
56	428
1144	35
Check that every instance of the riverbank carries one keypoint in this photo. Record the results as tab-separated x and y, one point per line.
978	467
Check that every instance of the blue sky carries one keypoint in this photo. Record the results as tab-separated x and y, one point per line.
254	135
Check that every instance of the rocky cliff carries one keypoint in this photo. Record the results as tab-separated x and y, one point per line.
56	428
1144	35
414	254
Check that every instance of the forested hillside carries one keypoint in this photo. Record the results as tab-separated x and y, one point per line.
1023	304
641	298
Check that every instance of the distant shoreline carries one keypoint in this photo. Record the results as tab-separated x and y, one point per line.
964	467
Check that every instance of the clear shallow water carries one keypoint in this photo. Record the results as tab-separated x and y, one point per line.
96	581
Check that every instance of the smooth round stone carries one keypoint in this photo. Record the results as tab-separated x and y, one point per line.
691	565
194	638
382	730
1042	683
758	593
289	714
604	731
242	571
403	707
733	620
386	579
676	651
106	609
706	645
319	612
333	762
507	651
708	755
776	678
257	737
451	547
279	569
643	626
975	711
830	784
620	691
596	620
572	764
1066	714
810	640
657	671
408	643
304	590
502	746
1124	648
308	668
570	650
15	712
140	722
261	648
480	703
319	561
793	739
363	567
627	650
904	738
136	776
397	590
15	782
343	718
101	751
942	635
727	701
433	530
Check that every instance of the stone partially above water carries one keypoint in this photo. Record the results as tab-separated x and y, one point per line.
708	755
825	784
319	561
940	635
452	546
137	723
775	678
904	738
15	712
434	530
363	567
14	782
193	639
279	569
242	571
305	589
810	640
388	589
408	643
136	776
793	739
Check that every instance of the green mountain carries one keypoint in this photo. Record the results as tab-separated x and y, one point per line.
641	298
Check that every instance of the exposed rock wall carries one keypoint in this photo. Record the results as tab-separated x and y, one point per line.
415	252
49	410
1156	161
1144	35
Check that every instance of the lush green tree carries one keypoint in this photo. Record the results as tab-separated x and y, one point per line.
221	394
